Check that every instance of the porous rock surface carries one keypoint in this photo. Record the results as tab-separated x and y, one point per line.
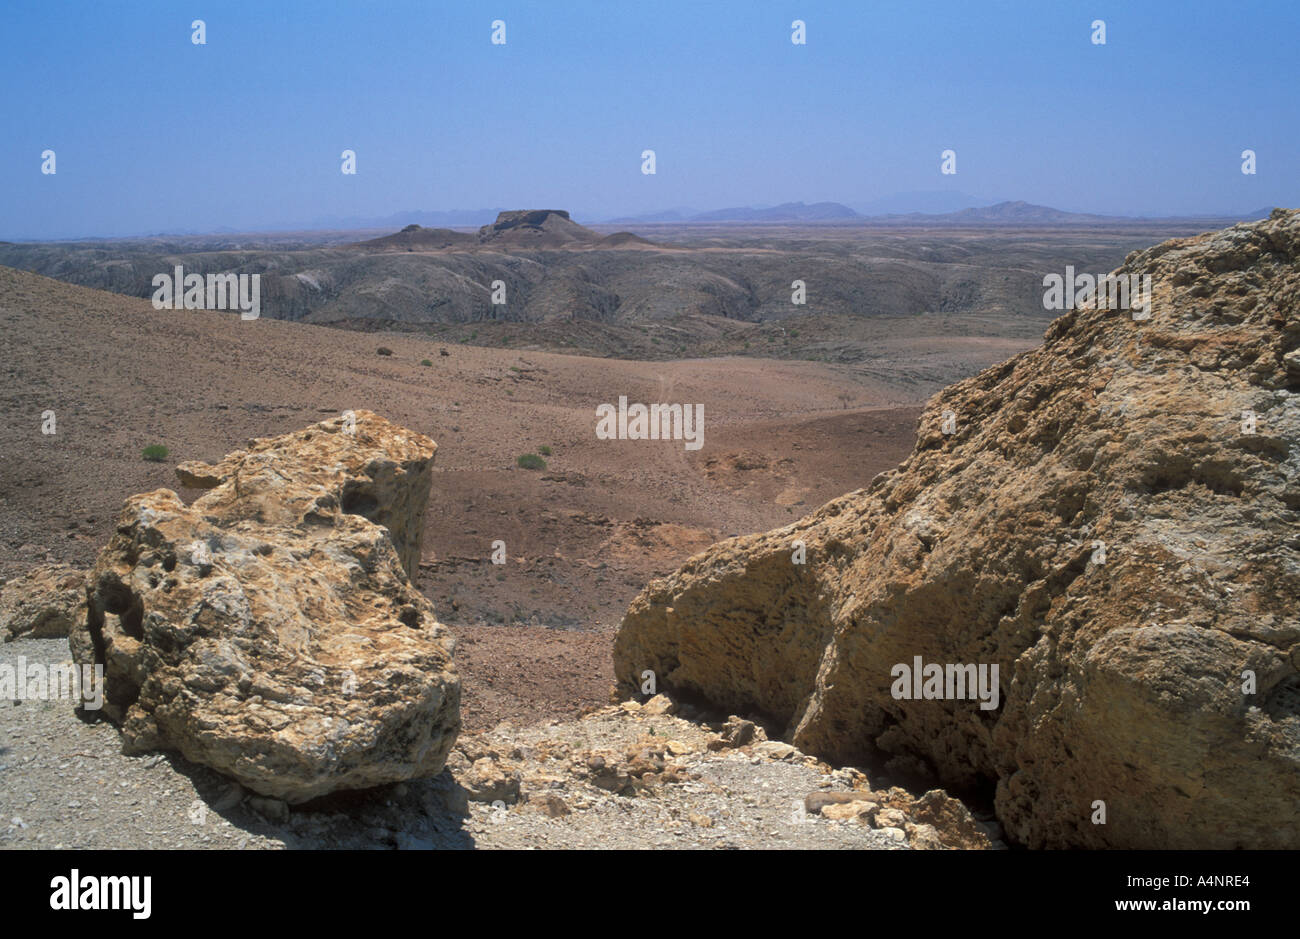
269	629
1115	523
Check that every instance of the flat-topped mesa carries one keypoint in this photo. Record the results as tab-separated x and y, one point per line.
270	629
529	217
1112	520
544	228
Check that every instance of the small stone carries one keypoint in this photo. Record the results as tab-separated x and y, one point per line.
890	818
489	781
816	802
659	705
844	811
924	837
273	810
549	804
775	750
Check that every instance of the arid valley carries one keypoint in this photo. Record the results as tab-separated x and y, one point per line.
558	562
799	408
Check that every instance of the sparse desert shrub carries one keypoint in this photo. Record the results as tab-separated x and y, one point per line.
384	350
544	450
531	461
425	362
154	453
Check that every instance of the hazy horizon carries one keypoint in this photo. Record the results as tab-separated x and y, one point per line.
154	134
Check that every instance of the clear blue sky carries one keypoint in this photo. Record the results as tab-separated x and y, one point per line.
153	133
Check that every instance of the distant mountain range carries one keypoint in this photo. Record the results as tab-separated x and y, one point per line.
1001	213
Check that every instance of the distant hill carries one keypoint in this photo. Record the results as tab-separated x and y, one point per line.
525	228
1022	213
414	237
536	228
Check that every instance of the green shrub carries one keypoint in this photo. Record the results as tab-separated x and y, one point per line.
154	453
531	461
425	362
544	450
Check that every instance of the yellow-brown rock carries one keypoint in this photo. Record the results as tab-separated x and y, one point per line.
269	630
1115	523
42	603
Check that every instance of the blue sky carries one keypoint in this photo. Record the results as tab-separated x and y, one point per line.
155	134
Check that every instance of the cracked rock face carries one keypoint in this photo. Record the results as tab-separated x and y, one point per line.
269	630
1114	523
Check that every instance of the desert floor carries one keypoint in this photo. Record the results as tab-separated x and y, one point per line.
582	536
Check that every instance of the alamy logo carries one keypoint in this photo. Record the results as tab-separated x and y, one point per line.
75	892
1114	293
216	292
653	422
38	682
935	682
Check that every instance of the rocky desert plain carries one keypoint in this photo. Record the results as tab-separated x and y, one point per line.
341	611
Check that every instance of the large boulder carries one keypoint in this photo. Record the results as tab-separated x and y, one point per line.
1114	523
269	630
42	603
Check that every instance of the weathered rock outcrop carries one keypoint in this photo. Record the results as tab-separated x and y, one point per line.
269	630
42	603
1115	523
